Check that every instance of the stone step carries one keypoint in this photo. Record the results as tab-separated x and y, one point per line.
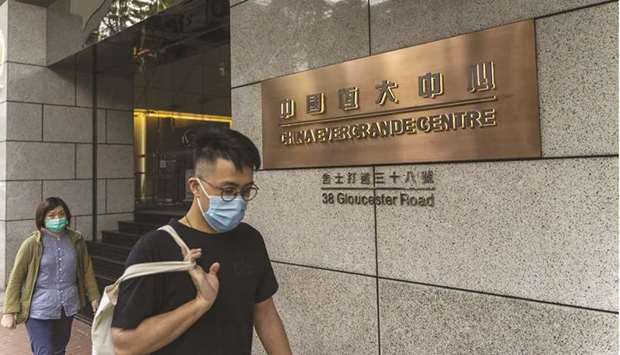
103	281
111	251
157	217
120	238
136	227
107	267
86	315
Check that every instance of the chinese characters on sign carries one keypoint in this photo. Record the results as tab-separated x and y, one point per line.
482	78
411	105
287	109
430	85
348	99
411	188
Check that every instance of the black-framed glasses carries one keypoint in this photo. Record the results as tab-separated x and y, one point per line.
230	193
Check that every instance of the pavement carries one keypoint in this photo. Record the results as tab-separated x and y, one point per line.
15	341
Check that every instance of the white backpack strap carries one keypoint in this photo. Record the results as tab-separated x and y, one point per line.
176	237
145	269
102	322
151	268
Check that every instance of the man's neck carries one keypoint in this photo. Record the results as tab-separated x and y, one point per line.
195	220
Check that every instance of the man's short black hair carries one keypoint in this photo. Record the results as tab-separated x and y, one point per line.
218	142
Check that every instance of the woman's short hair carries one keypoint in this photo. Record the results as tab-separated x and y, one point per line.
47	205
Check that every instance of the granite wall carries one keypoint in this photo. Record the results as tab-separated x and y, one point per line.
515	257
46	136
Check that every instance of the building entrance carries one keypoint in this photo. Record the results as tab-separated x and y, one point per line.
158	75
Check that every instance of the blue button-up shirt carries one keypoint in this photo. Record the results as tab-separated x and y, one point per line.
56	287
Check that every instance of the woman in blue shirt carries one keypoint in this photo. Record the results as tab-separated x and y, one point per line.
51	280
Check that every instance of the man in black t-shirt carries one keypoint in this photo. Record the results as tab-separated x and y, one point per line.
200	312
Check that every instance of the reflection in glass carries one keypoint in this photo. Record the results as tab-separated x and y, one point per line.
123	14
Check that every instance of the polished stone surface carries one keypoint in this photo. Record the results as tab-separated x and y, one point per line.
84	89
115	161
299	228
102	195
119	127
2	198
67	124
110	221
63	32
3	81
22	199
545	230
247	113
101	125
104	222
3	164
120	196
78	194
326	312
114	92
26	36
23	121
84	167
578	81
397	24
3	123
31	160
4	23
4	273
28	83
427	320
84	225
273	38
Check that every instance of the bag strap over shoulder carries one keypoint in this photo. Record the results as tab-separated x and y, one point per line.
173	233
144	269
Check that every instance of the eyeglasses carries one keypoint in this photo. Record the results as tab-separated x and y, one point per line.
230	193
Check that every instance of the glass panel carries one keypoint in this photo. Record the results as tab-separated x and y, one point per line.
123	14
164	155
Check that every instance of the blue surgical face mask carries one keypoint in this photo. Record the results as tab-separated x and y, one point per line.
223	216
56	225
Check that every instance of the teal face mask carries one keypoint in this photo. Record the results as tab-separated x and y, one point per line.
56	225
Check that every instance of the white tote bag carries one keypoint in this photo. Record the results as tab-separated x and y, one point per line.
101	330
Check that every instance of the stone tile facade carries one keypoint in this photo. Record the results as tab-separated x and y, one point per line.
516	257
46	136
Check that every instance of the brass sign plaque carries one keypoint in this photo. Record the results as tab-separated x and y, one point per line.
470	97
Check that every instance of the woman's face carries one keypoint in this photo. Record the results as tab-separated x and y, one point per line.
57	212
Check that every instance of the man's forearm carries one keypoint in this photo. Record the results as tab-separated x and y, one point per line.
158	331
274	338
270	329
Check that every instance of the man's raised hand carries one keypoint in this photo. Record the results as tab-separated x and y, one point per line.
207	284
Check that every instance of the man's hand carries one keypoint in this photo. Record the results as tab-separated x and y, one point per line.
207	284
8	321
155	332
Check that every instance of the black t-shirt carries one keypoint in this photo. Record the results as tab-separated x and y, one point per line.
245	276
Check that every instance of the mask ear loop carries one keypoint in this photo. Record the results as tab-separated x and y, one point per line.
202	187
197	198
